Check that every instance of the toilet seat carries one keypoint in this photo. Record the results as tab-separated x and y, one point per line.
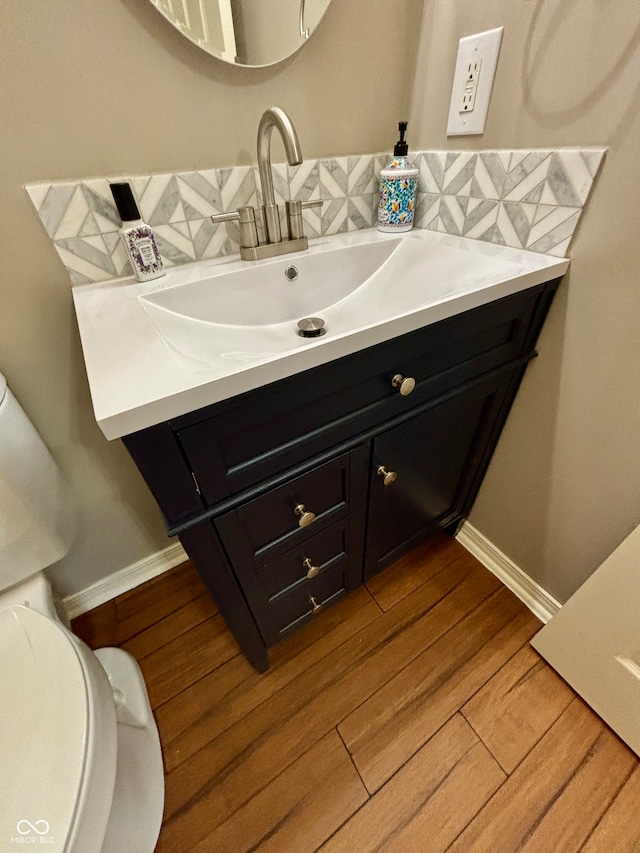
57	738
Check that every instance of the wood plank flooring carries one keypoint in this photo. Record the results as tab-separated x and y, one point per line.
413	716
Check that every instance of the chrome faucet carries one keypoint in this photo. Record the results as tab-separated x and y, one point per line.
250	248
274	117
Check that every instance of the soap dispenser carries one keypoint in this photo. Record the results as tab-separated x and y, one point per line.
398	187
138	237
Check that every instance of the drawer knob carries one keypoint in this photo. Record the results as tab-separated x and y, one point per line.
312	570
405	384
315	607
304	517
389	476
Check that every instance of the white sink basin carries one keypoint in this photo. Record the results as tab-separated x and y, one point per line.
253	312
211	330
264	296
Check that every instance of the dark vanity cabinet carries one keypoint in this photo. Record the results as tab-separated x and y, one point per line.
288	496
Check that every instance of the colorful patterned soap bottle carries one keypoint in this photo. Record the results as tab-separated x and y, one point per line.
398	185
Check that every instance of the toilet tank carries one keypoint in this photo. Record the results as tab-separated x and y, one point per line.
37	511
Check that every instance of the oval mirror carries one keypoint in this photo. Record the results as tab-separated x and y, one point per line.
253	33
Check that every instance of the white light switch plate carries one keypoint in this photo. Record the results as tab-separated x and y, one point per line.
473	82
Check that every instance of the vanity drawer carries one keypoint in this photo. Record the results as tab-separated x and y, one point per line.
284	595
308	599
268	526
306	561
237	443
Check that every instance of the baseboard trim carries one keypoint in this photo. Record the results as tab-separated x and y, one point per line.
537	599
124	580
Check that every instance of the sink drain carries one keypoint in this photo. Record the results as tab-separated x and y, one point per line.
311	327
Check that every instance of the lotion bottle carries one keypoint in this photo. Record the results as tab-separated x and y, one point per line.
138	237
398	187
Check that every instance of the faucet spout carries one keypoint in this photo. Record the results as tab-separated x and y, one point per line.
271	243
274	117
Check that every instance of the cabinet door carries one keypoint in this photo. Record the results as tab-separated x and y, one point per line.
432	457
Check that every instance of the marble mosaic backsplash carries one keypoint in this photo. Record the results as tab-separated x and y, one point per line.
530	199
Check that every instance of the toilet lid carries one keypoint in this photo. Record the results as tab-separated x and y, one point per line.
43	729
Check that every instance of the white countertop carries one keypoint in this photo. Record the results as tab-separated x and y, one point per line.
137	379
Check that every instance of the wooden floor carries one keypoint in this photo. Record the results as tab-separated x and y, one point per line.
413	717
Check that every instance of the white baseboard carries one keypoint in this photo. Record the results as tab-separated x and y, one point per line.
124	580
537	599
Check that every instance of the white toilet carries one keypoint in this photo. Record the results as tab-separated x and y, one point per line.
79	749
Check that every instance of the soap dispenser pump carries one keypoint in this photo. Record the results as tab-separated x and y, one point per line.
398	187
138	237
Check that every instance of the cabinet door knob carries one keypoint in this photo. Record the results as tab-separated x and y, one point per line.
389	476
405	384
314	605
312	570
304	517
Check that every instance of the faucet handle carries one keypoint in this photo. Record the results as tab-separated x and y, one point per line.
294	216
314	202
248	230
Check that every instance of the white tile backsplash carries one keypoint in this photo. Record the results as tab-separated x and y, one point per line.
523	198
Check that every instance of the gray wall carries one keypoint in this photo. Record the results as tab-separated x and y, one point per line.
563	489
98	88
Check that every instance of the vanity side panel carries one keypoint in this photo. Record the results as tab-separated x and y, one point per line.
543	304
207	555
160	461
480	465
